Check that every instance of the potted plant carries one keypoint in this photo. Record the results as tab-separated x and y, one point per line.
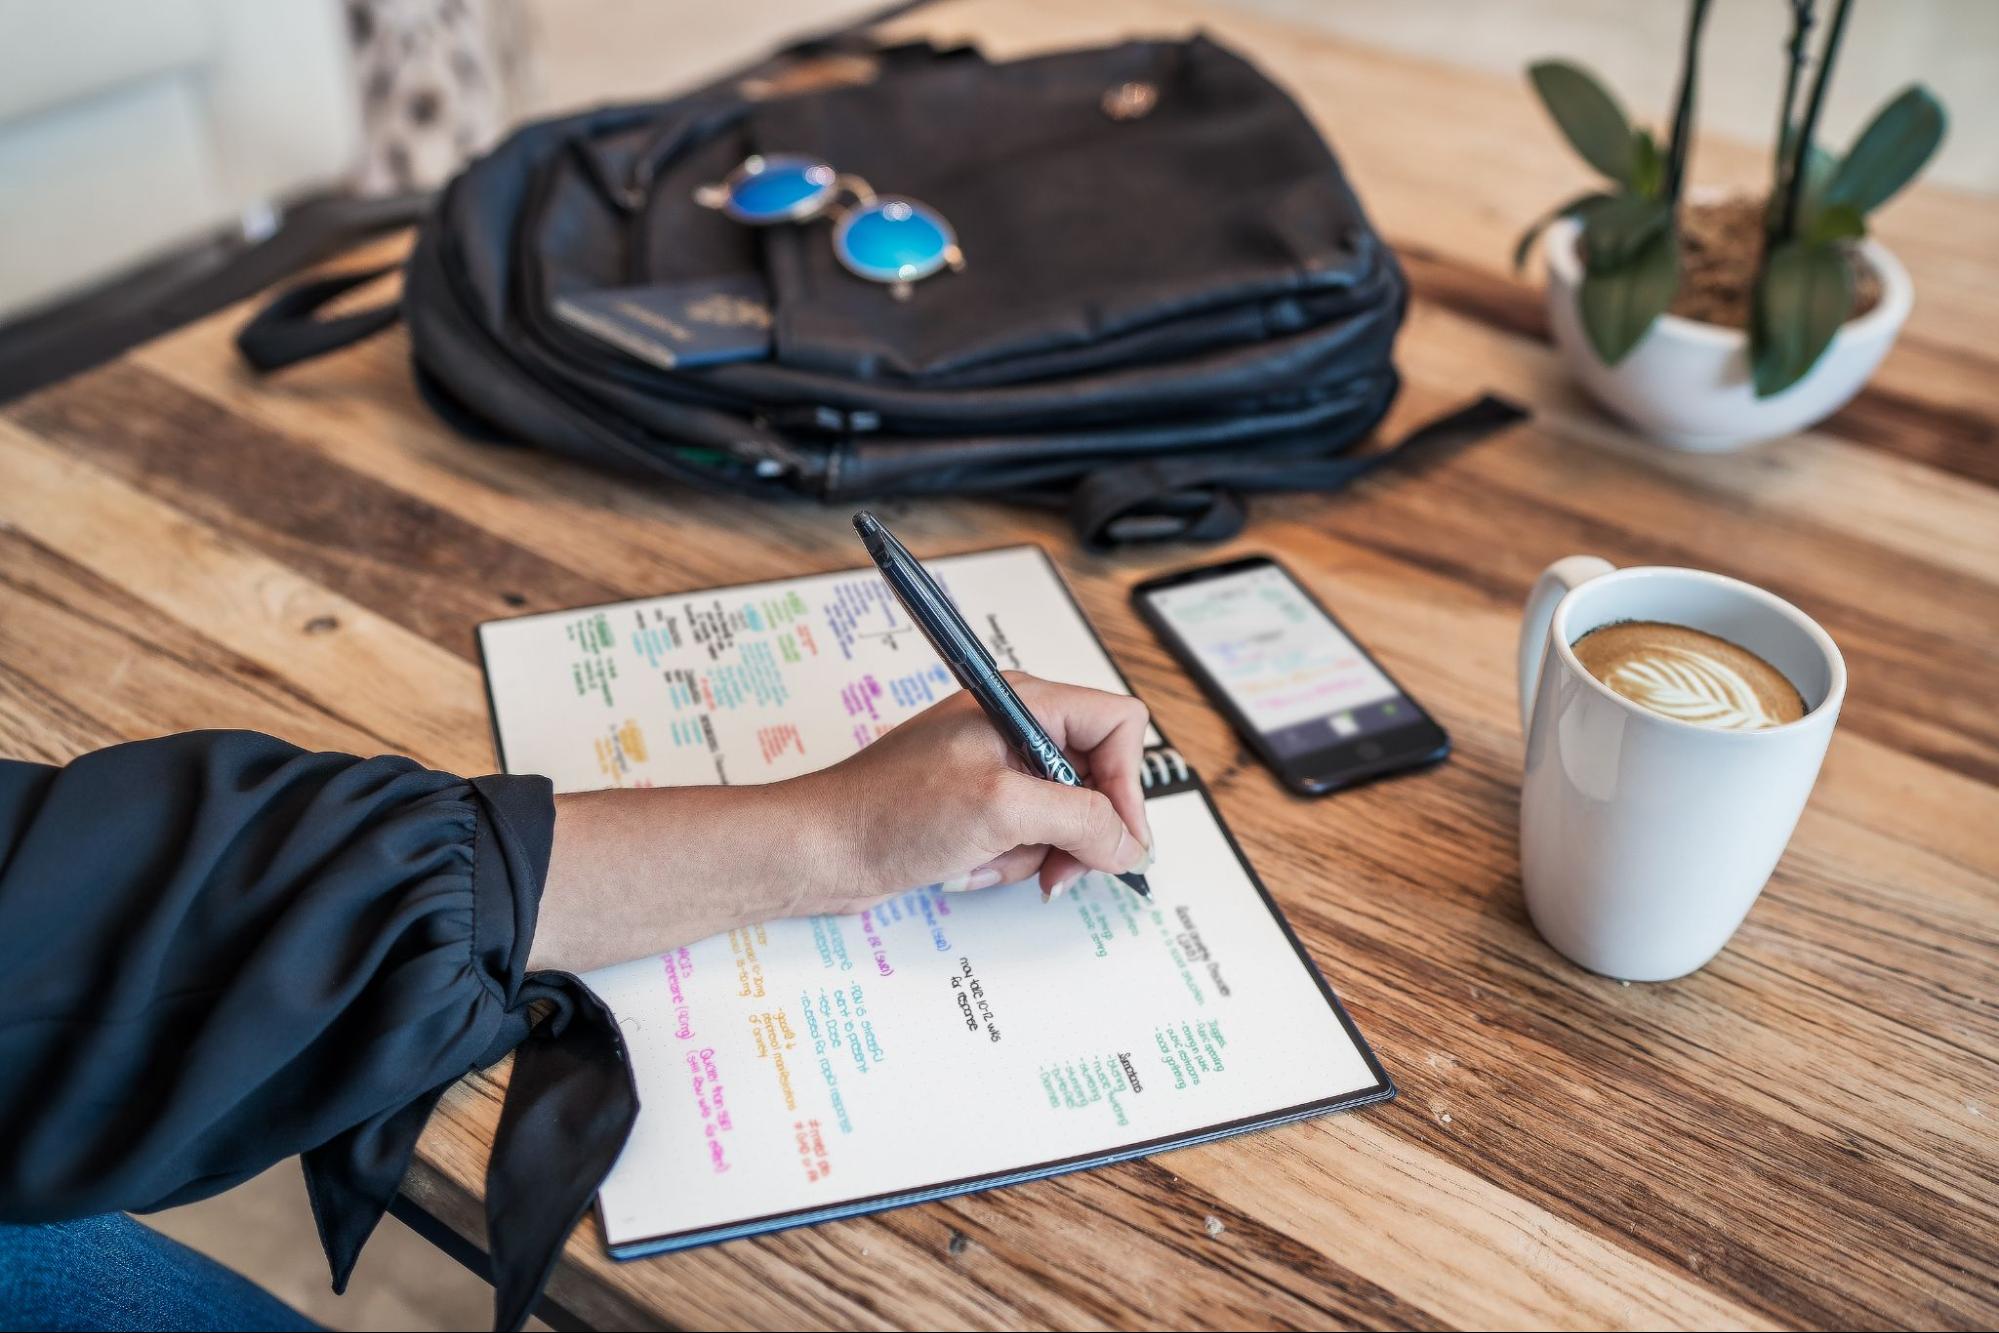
1714	322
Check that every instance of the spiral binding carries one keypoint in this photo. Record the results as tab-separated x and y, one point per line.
1164	767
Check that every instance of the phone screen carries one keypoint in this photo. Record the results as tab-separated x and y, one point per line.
1289	669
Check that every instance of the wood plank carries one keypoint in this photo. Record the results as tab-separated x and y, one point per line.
1472	614
1800	1134
388	548
420	699
1376	860
68	636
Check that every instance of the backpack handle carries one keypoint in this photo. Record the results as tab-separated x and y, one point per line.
1200	499
286	331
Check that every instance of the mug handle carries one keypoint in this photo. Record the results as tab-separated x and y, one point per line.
1554	584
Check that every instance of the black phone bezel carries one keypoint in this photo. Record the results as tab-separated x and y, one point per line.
1316	772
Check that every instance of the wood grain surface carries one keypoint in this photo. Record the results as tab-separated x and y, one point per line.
1806	1132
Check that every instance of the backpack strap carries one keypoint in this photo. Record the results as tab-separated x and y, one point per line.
1199	499
286	332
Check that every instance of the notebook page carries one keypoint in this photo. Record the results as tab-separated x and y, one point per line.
810	1064
762	681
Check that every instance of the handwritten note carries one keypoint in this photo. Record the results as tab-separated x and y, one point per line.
815	1066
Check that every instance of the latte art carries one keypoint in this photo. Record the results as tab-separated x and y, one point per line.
1691	687
1689	675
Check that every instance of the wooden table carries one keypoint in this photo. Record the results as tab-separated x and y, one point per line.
1805	1132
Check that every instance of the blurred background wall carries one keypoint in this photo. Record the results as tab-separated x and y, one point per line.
131	127
1634	45
1953	45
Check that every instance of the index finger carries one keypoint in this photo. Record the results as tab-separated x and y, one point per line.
1107	730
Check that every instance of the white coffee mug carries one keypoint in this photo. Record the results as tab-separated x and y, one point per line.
1644	839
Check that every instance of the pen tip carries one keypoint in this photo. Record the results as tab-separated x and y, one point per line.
865	522
1137	884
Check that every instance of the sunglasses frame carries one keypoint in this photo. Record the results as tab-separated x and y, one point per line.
721	195
825	202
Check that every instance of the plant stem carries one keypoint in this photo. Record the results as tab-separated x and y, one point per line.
1797	52
1683	113
1795	187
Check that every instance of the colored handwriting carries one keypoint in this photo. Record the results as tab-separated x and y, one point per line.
856	607
781	738
860	698
831	944
920	688
932	906
754	680
1107	911
679	967
706	1081
653	642
811	1150
772	1033
871	932
743	945
818	1032
1191	1051
1096	1080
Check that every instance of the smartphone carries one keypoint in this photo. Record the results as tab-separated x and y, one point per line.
1308	699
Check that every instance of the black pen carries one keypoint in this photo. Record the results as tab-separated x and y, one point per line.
931	608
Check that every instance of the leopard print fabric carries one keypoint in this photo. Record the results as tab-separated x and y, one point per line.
439	80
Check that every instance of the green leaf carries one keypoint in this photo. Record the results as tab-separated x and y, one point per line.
1889	152
1579	206
1804	294
1648	165
1593	122
1836	222
1616	231
1619	304
1819	165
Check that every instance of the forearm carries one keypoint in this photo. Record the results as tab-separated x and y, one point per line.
938	800
637	872
222	950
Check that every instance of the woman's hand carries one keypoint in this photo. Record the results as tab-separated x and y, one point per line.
940	799
943	799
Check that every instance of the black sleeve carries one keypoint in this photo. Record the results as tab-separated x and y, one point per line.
218	950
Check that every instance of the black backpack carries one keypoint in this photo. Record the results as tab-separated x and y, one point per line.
1171	295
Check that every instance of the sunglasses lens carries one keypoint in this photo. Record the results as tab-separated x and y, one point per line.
779	188
893	240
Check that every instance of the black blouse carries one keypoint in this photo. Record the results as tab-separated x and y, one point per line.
221	950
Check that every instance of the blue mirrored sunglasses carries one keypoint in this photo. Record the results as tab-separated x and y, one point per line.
884	238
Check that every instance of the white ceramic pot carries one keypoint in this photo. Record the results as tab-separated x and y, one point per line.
1687	385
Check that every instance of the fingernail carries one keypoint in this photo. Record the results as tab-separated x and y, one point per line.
1061	887
1132	854
982	878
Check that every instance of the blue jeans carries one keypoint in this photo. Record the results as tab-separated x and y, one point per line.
110	1272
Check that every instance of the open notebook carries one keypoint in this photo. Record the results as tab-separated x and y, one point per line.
816	1068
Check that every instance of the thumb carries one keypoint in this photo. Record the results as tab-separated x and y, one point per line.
1081	822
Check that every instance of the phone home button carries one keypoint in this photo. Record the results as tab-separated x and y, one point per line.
1368	749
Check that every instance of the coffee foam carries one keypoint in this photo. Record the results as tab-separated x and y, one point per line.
1689	675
